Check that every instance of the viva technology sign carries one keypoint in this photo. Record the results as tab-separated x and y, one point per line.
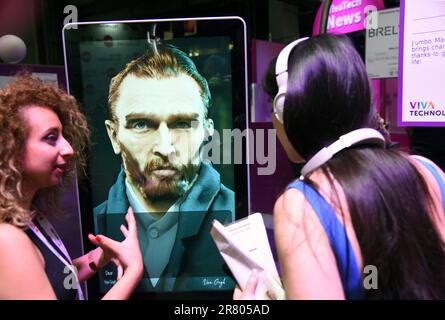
347	16
425	108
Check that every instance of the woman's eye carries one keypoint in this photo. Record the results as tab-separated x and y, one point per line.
51	138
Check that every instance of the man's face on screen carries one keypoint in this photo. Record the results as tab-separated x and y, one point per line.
159	131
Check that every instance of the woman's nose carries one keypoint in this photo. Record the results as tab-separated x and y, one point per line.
66	149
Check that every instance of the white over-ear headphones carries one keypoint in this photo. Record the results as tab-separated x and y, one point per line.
281	75
352	138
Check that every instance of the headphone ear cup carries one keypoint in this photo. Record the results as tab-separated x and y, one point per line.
278	105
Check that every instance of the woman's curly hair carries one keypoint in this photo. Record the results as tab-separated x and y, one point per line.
24	91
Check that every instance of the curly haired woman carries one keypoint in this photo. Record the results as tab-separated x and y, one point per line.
43	138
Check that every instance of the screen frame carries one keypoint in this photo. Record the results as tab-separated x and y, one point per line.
70	34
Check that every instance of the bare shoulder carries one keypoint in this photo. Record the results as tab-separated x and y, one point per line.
15	244
432	183
22	268
413	158
291	207
10	234
295	218
417	162
431	180
308	264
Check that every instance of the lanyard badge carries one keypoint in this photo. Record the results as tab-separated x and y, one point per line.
65	259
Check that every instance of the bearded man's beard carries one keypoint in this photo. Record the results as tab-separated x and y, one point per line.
155	187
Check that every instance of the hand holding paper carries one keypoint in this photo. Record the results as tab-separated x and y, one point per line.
244	246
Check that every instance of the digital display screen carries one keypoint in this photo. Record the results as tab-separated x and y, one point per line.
166	103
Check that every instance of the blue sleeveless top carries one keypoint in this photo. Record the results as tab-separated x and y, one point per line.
336	232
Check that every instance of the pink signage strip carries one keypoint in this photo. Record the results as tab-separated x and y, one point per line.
346	16
401	36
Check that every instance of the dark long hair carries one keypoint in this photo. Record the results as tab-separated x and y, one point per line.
389	202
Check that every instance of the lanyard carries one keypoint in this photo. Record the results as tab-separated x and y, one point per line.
51	232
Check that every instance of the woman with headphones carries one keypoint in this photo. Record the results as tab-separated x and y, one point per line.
363	221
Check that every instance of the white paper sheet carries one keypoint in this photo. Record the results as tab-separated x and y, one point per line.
244	246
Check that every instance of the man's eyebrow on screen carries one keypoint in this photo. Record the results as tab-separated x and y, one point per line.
192	116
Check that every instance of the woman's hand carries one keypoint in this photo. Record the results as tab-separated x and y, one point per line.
126	254
98	258
249	292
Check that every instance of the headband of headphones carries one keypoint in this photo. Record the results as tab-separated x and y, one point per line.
281	74
352	138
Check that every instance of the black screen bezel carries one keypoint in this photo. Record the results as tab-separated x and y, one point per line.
232	27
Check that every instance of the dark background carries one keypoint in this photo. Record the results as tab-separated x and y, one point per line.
39	22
